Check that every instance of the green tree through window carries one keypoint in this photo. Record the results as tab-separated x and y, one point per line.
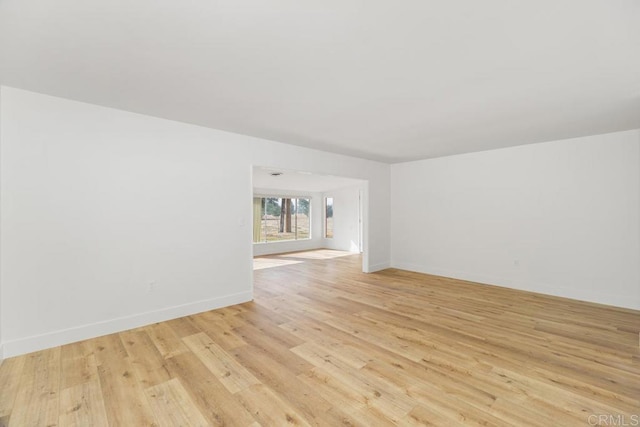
281	218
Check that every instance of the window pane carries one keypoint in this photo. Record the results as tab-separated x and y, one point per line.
281	218
303	223
328	216
287	218
272	219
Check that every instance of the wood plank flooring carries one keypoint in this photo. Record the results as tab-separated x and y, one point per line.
324	344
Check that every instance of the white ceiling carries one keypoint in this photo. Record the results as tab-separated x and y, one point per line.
302	182
383	80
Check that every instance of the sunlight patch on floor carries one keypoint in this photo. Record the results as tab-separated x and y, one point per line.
317	254
261	263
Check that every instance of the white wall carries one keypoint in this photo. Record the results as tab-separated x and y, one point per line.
315	242
561	218
98	206
345	218
1	299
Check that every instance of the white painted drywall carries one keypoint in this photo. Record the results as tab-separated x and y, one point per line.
345	218
561	218
1	299
98	206
315	242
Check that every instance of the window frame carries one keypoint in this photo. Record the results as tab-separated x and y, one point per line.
281	197
326	217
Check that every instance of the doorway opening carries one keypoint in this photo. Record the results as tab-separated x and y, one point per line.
295	211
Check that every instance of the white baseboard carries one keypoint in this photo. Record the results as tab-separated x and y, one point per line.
273	248
377	267
622	301
79	333
1	353
460	275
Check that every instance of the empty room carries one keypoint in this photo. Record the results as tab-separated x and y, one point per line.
241	213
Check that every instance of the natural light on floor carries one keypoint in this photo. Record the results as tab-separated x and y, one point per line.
317	254
280	260
260	263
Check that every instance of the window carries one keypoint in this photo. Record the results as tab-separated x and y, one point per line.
278	219
328	217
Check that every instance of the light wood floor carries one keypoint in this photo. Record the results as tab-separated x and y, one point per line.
324	344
